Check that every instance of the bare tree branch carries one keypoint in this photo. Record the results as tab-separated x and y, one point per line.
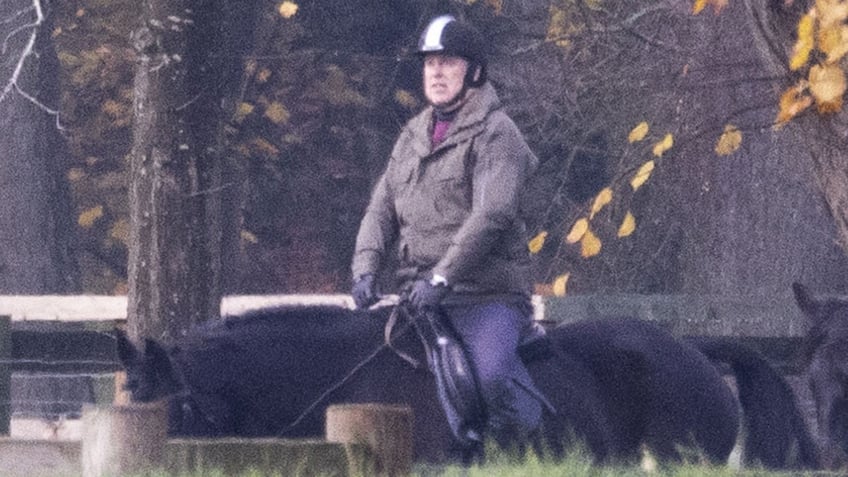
13	83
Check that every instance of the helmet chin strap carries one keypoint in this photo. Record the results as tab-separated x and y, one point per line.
453	104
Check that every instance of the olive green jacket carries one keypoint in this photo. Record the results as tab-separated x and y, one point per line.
453	210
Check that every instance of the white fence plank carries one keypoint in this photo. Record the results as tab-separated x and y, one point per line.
73	308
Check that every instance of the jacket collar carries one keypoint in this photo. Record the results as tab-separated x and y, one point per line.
468	122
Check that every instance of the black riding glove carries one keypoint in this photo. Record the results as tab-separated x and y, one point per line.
364	291
426	296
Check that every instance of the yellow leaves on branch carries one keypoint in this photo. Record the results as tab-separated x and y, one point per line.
248	237
628	225
806	41
242	111
822	28
642	175
827	85
535	245
578	230
88	217
792	102
277	113
664	145
560	284
699	5
287	9
638	133
590	245
603	198
729	141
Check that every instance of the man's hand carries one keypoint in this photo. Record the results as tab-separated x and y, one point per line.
427	296
364	291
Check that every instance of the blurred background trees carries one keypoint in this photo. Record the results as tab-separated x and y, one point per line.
323	88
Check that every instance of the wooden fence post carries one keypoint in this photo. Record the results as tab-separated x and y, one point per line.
5	374
385	429
123	440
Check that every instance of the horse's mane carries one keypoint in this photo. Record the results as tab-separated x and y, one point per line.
294	320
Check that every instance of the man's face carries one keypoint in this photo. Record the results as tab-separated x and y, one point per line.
443	77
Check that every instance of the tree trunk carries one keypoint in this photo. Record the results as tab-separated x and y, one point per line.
177	206
35	227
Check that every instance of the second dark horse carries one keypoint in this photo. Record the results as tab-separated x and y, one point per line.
619	385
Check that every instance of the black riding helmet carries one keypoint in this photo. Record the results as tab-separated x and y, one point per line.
445	34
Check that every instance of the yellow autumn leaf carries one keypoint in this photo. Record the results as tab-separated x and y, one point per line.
718	6
537	243
88	217
662	146
833	41
263	146
249	237
560	284
804	44
603	198
263	75
243	111
287	9
638	133
590	245
560	28
831	12
577	230
628	225
120	231
496	6
277	113
642	175
729	140
827	85
792	102
75	174
406	99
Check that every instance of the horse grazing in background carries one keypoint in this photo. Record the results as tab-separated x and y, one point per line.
825	350
617	385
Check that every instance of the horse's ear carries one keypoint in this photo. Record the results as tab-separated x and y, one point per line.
808	304
127	353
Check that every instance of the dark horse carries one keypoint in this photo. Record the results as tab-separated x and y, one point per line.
618	385
825	350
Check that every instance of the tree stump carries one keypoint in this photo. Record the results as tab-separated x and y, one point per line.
123	440
385	429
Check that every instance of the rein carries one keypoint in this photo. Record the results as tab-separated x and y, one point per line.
387	343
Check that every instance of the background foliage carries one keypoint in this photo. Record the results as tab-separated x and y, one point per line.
328	85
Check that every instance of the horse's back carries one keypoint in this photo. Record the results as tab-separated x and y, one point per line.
656	389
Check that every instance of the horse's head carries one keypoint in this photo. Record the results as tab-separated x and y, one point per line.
825	349
150	373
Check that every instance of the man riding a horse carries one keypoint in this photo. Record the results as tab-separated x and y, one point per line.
448	200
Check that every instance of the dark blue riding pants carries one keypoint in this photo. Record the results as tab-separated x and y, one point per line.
491	334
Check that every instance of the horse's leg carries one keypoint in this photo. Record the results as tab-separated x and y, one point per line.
827	392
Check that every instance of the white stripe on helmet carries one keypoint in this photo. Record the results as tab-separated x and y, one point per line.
433	36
